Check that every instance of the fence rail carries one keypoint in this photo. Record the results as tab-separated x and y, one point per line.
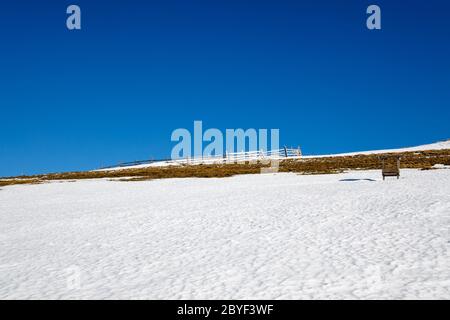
134	163
237	157
228	157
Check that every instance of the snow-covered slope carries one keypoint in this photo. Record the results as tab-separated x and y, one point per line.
277	236
433	146
441	145
145	165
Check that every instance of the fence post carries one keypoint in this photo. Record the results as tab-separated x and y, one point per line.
285	151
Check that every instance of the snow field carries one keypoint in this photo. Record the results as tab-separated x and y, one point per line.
271	236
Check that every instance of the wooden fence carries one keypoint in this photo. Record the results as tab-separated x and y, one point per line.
228	157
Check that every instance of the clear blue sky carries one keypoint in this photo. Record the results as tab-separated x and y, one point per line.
115	90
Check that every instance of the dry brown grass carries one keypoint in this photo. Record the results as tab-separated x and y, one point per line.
9	182
326	165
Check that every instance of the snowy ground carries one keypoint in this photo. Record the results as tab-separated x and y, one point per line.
270	236
441	145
